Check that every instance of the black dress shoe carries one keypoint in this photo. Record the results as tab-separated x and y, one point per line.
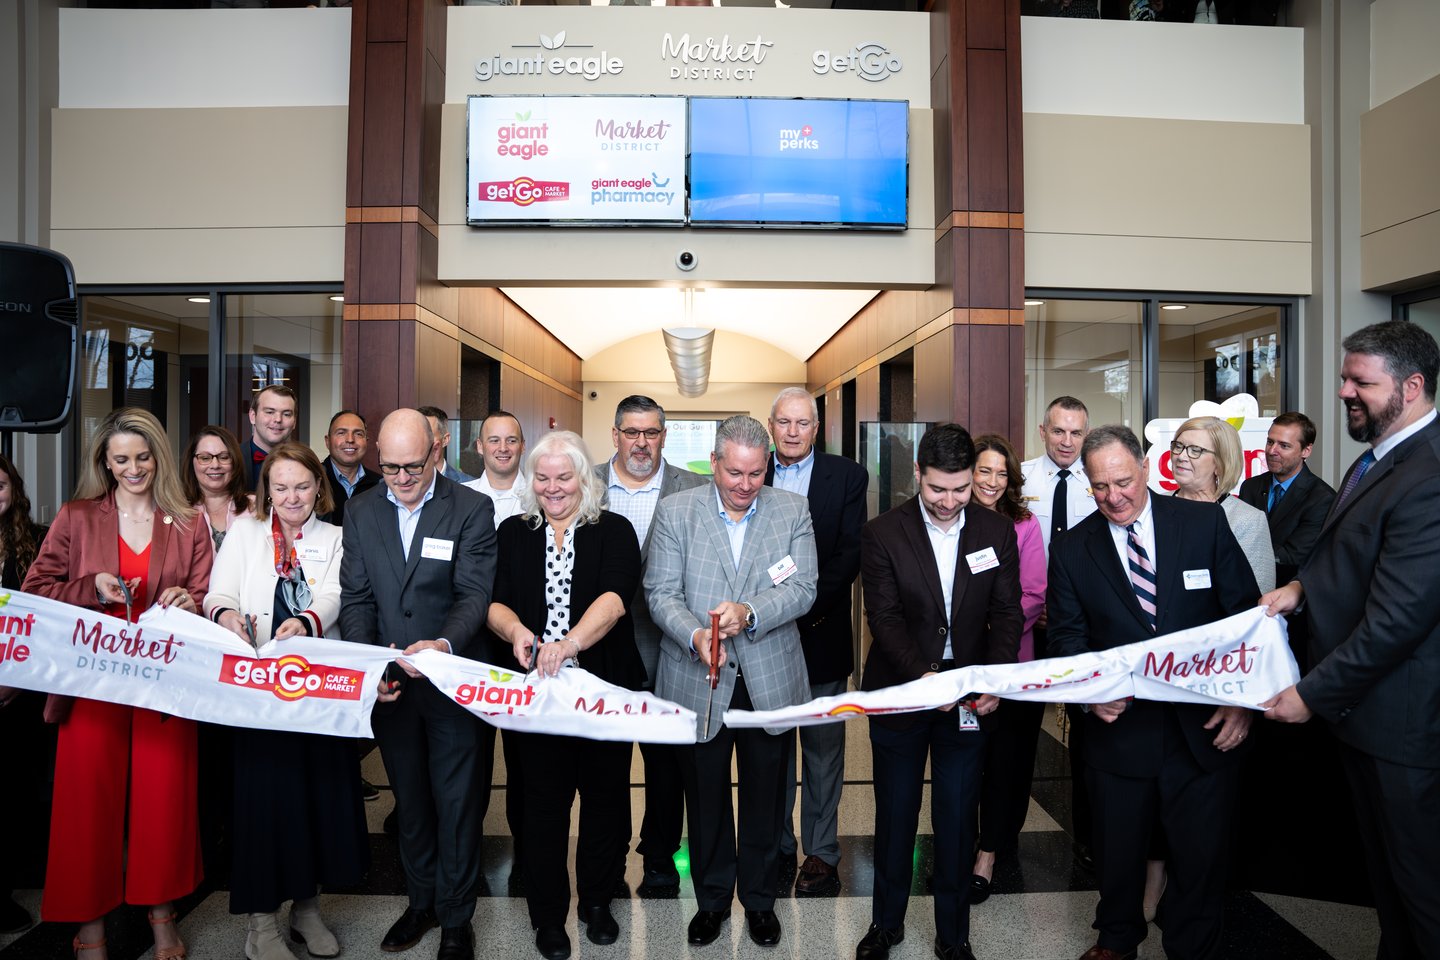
1083	856
705	926
552	942
764	927
979	889
817	879
877	943
600	925
661	878
408	930
456	943
13	917
947	951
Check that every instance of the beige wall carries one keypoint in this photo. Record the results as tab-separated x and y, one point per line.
210	195
1153	204
1399	191
745	375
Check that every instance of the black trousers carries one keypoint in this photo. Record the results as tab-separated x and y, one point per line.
664	804
1398	809
438	759
1194	808
1080	815
512	742
1010	746
556	768
718	863
898	758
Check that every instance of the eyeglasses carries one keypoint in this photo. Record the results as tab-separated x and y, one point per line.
785	424
414	469
205	459
1193	451
631	433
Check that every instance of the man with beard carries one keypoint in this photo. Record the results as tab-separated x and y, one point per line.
636	479
346	442
1375	627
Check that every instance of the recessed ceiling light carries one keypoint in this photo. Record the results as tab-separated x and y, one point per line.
1034	303
338	298
1173	306
198	299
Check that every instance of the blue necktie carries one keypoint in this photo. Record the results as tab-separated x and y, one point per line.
1277	493
1361	466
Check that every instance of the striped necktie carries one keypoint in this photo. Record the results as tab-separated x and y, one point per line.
1142	575
1363	464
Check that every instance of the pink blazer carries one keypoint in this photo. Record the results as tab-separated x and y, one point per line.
85	540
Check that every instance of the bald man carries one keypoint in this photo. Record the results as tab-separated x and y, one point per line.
417	573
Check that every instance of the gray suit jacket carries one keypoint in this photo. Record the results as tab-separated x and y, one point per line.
647	634
690	571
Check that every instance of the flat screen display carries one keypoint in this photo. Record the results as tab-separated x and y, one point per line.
798	163
575	160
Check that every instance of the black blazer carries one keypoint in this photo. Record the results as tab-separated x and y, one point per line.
607	560
1296	521
387	599
837	509
337	492
1374	615
905	605
1093	607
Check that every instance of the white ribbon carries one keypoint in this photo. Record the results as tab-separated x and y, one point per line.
181	664
1239	661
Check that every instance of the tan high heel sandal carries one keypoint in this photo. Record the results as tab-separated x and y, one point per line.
77	945
167	953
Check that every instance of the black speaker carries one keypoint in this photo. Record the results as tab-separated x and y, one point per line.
40	327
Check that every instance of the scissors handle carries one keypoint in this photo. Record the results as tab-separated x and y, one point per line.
713	677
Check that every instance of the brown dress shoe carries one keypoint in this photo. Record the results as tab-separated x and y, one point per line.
817	879
1098	952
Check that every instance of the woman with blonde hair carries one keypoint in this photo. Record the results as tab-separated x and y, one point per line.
124	826
1207	462
299	821
566	569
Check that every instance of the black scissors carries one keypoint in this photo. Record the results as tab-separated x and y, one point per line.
129	599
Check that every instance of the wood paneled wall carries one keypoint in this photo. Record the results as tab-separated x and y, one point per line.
402	326
968	329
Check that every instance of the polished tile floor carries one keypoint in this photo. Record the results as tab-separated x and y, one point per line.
1041	910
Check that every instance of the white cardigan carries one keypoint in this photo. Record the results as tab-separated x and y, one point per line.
243	578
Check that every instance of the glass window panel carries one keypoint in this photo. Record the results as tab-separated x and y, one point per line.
1212	351
283	338
1426	313
150	352
1088	349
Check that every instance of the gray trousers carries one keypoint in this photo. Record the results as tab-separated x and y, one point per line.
822	774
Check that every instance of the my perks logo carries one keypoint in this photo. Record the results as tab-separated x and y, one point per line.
501	693
798	138
292	677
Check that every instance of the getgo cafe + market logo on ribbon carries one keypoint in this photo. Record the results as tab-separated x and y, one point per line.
292	677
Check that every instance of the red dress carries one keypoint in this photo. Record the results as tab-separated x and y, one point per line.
125	778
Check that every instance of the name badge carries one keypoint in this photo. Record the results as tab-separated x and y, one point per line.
311	551
780	572
968	719
1197	579
435	549
982	560
1031	499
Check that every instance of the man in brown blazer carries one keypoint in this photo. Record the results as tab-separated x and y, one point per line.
942	590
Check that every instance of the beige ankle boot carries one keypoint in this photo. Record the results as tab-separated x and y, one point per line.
306	927
263	940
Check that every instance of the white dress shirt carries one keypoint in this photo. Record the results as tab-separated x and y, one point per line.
507	502
945	544
1038	492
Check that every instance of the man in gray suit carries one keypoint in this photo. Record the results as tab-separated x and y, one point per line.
417	573
746	552
636	479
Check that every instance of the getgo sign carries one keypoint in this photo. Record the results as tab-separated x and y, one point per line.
870	61
291	677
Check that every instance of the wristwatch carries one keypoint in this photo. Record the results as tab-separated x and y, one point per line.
749	618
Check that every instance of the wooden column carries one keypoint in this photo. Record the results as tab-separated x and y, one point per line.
400	343
973	368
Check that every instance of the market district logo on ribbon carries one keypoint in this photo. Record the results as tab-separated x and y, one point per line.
184	665
1239	661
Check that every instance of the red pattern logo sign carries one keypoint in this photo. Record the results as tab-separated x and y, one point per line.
291	677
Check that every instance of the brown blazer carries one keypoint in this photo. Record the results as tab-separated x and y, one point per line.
904	602
85	540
